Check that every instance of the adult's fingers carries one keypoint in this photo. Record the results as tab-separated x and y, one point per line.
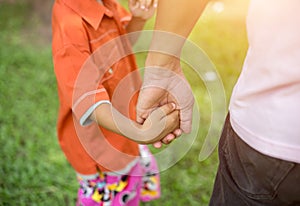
168	139
149	99
143	114
157	144
177	132
186	116
185	101
139	119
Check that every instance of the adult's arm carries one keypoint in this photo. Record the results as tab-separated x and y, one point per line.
174	22
163	79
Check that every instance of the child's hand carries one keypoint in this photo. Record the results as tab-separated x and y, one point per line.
160	122
143	9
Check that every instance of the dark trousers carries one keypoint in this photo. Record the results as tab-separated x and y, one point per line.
247	177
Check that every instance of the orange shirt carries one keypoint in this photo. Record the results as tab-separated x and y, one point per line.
93	65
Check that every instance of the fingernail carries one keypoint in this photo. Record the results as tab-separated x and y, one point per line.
157	145
169	141
173	105
143	7
178	132
170	138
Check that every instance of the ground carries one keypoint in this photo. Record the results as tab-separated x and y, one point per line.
33	170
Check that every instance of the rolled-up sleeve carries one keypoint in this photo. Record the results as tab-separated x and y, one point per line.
125	16
79	81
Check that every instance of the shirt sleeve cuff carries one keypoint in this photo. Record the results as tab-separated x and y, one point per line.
85	118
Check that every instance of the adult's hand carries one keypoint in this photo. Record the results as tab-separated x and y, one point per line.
162	85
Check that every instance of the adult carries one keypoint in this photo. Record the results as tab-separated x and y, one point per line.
259	149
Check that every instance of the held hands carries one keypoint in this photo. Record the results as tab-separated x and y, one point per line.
159	123
162	86
143	9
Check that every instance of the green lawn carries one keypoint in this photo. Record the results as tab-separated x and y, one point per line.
33	170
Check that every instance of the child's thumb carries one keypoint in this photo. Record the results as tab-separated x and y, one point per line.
166	109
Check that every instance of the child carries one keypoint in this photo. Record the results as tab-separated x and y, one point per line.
98	87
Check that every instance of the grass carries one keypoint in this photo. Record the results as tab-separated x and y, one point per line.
33	170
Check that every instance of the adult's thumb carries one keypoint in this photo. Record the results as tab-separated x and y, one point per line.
186	120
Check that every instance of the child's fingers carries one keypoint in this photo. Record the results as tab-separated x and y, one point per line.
173	119
134	4
143	4
164	110
148	3
154	3
143	114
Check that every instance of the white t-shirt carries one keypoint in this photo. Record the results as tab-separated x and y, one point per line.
265	104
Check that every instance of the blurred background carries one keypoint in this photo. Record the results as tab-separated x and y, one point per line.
33	170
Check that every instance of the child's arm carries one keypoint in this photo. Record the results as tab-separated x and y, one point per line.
159	123
141	12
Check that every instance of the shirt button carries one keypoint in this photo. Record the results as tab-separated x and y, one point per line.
110	71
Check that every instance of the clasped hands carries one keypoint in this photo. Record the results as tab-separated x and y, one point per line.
161	88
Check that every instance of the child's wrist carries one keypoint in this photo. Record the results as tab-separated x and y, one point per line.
141	134
134	132
139	19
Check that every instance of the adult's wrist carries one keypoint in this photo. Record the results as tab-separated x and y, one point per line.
162	61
